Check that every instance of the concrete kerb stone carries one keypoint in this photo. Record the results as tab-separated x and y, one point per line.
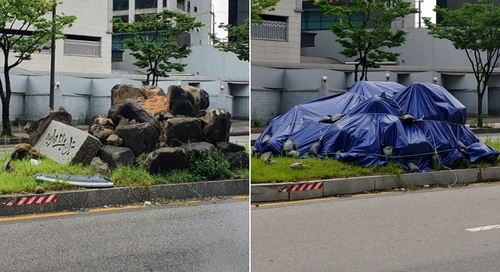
268	192
91	198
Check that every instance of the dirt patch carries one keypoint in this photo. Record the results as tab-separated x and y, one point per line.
156	104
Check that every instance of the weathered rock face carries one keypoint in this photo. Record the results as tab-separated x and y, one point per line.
166	159
200	97
116	156
197	148
140	137
238	159
226	147
133	111
104	122
217	126
151	91
99	166
177	131
180	102
155	104
66	144
100	132
113	139
121	92
36	128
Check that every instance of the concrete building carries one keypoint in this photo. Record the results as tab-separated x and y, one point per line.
86	73
238	11
278	83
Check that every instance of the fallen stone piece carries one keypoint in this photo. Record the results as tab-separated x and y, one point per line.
36	128
200	97
140	138
66	144
116	156
166	159
180	102
197	148
99	166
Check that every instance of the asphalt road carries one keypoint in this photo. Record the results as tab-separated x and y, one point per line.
398	231
200	237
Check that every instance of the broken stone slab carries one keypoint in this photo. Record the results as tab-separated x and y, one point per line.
113	139
197	148
217	126
36	128
67	144
166	159
141	137
133	111
99	166
121	92
200	97
116	156
180	130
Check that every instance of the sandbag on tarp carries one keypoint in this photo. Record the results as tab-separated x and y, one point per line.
431	102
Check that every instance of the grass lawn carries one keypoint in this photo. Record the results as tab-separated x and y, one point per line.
22	178
330	168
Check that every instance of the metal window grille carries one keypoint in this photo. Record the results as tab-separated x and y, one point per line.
270	30
82	48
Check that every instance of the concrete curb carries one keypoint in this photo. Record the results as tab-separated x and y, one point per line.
74	200
269	192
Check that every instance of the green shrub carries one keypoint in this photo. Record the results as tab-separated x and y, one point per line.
209	165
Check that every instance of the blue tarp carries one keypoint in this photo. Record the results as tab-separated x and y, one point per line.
372	119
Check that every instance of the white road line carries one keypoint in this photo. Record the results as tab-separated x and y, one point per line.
484	228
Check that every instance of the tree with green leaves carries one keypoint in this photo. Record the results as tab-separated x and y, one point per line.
260	6
474	28
364	30
237	40
154	41
25	27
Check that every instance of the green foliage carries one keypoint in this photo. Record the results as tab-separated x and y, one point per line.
131	176
24	27
237	40
368	40
474	28
209	166
154	41
260	6
314	169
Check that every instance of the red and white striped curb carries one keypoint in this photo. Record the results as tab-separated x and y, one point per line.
301	187
30	200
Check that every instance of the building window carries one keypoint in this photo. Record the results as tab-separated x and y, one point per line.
195	9
314	19
120	4
272	28
189	6
124	19
146	4
83	46
181	4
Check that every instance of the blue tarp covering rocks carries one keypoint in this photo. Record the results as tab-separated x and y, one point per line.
421	127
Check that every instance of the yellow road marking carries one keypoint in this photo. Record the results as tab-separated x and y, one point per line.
242	197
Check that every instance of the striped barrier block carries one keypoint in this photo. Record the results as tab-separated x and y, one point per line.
30	200
301	187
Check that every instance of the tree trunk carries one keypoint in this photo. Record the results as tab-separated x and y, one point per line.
6	131
480	95
356	72
147	78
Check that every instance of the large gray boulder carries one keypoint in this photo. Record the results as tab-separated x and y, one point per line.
116	156
36	128
140	138
166	159
180	102
217	126
131	110
238	159
180	130
121	92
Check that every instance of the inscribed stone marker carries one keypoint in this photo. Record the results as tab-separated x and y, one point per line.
67	144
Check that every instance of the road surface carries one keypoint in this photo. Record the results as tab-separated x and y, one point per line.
209	236
452	229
